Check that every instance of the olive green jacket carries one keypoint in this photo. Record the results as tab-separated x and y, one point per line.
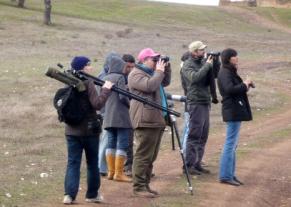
196	76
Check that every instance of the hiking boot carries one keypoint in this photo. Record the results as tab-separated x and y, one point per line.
202	170
152	191
238	181
230	182
98	199
68	200
144	194
192	171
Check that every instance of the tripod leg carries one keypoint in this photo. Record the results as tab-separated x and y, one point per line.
173	137
173	120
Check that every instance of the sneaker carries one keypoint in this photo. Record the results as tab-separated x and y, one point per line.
98	199
67	200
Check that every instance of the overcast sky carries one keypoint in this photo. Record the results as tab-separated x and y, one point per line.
196	2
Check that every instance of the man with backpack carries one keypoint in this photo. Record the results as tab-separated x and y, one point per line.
85	136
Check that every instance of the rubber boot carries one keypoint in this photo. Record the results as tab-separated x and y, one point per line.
110	159
119	175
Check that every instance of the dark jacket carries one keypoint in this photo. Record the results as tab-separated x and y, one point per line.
117	106
235	103
147	86
195	73
97	102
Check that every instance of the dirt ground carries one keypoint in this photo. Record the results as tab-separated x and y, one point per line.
30	134
264	170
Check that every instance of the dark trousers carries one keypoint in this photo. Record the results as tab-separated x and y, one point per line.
75	147
148	144
129	159
198	134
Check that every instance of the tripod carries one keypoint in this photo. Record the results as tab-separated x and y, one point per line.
175	129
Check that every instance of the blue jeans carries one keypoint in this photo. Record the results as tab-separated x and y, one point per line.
102	149
185	132
118	140
228	156
75	147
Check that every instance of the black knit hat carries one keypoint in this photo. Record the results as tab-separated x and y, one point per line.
226	55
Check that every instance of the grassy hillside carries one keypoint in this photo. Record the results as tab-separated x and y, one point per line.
143	13
32	140
279	15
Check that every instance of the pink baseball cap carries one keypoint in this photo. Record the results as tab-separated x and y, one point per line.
147	52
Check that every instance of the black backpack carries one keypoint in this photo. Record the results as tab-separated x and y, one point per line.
72	106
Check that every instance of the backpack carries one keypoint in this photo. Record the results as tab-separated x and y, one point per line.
72	106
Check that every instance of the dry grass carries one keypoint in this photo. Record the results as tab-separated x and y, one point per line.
32	140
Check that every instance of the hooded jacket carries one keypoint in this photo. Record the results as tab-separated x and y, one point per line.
117	106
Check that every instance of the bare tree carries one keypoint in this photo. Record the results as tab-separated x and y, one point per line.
252	3
47	12
21	3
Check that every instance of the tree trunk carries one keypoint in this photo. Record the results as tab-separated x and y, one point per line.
252	3
47	12
21	3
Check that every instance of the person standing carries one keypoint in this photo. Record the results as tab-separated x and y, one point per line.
82	137
235	109
130	63
196	74
147	79
104	135
117	121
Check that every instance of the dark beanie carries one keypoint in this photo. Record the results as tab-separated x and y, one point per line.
226	55
79	62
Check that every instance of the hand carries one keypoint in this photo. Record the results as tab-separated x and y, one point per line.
210	59
108	85
215	101
248	82
161	66
252	85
